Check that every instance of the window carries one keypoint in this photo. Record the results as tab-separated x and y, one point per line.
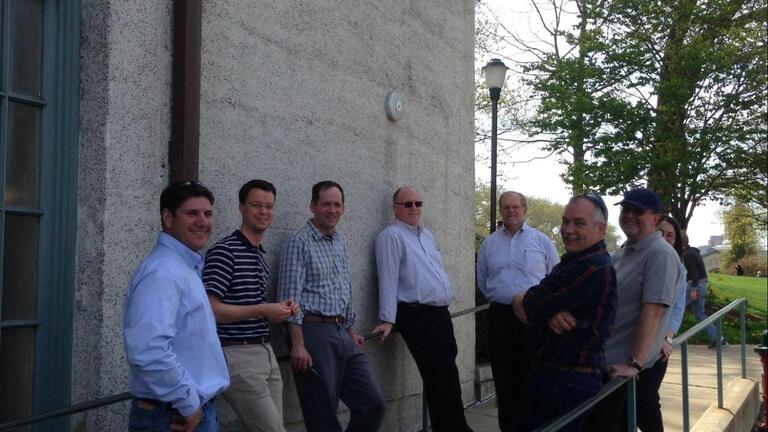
38	147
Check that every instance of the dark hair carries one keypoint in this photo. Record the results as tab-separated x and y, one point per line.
174	195
678	233
323	185
255	184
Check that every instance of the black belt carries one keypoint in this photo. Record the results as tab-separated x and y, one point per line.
314	318
579	369
256	340
421	305
165	406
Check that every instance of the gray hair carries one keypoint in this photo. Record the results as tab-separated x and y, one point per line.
523	201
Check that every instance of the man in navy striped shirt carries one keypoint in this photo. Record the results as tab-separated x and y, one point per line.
235	277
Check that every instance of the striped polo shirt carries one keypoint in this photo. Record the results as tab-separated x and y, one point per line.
236	272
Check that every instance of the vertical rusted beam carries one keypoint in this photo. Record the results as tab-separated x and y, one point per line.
184	148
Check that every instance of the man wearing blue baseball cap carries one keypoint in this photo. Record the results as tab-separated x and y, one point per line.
646	273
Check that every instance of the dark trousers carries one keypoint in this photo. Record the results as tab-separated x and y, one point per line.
510	363
339	371
428	332
610	414
648	407
551	393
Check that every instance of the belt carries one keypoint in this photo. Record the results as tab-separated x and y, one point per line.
256	340
421	305
165	406
580	369
313	318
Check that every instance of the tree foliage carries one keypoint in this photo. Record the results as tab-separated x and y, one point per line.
742	233
649	92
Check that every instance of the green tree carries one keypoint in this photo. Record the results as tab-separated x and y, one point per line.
648	92
741	231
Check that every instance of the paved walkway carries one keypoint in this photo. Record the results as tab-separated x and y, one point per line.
702	387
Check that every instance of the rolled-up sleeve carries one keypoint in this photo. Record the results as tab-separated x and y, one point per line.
292	275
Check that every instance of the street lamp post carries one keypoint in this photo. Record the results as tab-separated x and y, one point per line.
495	73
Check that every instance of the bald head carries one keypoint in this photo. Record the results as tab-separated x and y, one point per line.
406	203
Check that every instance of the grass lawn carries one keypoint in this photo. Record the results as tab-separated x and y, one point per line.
723	289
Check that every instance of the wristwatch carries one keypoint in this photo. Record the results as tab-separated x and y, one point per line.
632	362
668	339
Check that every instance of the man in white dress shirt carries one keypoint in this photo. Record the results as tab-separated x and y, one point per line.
414	293
511	260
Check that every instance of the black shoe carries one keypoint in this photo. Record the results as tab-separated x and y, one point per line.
723	343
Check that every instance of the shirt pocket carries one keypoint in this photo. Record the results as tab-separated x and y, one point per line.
535	262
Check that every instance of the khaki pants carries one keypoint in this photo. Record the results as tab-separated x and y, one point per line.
256	388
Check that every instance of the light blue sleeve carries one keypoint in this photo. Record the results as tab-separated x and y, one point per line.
678	308
388	255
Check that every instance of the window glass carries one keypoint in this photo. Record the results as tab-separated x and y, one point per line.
20	267
22	155
26	39
17	356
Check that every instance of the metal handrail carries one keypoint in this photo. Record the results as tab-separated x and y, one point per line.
120	397
682	341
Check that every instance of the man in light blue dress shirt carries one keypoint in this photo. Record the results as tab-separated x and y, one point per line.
511	260
175	361
414	294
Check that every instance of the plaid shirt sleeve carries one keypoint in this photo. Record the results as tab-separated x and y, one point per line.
292	274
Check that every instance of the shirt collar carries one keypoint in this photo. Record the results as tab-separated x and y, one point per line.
192	258
316	233
239	234
414	229
645	242
592	249
523	227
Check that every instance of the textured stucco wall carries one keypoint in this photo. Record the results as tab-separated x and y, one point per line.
292	92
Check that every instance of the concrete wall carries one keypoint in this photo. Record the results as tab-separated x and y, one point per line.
292	92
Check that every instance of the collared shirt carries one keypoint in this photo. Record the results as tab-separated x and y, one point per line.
509	264
314	270
583	284
236	272
647	272
410	269
169	330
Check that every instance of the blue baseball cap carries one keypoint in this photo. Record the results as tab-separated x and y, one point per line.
642	198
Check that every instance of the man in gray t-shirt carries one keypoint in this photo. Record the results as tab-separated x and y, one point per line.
646	273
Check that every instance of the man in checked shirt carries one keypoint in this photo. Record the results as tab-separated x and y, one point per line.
325	354
568	364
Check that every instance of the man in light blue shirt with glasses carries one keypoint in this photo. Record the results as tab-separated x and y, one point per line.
414	294
511	260
175	361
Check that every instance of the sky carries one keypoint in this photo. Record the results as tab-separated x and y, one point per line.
541	178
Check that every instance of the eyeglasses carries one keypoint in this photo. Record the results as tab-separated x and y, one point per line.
597	201
634	210
410	204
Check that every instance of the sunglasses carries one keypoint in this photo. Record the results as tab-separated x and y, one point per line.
410	204
630	209
597	201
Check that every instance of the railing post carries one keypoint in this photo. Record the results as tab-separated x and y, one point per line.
631	406
743	317
684	370
719	347
424	410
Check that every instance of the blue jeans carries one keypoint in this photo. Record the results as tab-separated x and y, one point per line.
159	418
551	393
697	306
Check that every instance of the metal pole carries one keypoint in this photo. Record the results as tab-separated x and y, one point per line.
684	369
495	93
719	365
631	406
743	317
424	409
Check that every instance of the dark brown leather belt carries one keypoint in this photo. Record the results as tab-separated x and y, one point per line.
256	340
580	369
312	318
165	406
